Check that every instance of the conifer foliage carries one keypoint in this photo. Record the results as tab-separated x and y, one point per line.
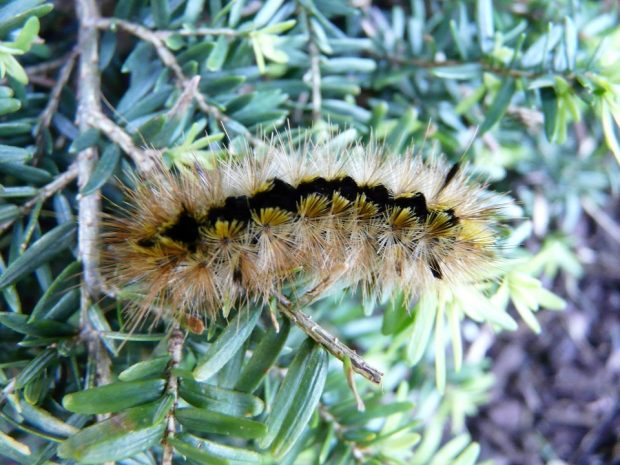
93	92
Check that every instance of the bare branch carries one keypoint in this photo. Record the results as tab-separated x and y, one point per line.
44	193
89	206
315	68
89	97
47	66
605	221
327	340
145	160
203	31
185	99
52	105
175	349
170	61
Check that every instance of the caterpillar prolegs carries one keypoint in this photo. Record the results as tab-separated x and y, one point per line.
198	241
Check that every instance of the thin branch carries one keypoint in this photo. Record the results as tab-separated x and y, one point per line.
52	105
372	29
185	99
327	340
170	61
103	363
315	80
144	33
89	206
45	192
484	66
203	31
315	68
145	160
40	81
89	97
47	66
175	349
431	64
109	23
601	218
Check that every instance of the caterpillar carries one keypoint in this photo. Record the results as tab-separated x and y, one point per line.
198	241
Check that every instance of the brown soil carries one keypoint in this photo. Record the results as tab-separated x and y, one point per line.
557	396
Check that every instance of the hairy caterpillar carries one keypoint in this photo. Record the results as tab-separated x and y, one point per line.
199	241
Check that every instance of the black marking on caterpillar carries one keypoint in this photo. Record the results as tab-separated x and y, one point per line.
284	196
185	230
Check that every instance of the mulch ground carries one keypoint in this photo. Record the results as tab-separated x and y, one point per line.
557	396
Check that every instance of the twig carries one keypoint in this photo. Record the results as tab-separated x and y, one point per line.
165	34
89	206
52	105
203	31
40	81
144	33
315	80
371	28
175	349
46	66
185	99
430	64
601	218
327	340
88	102
145	160
170	61
486	67
315	62
97	351
45	192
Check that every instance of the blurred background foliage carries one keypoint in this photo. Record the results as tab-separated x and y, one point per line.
526	91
